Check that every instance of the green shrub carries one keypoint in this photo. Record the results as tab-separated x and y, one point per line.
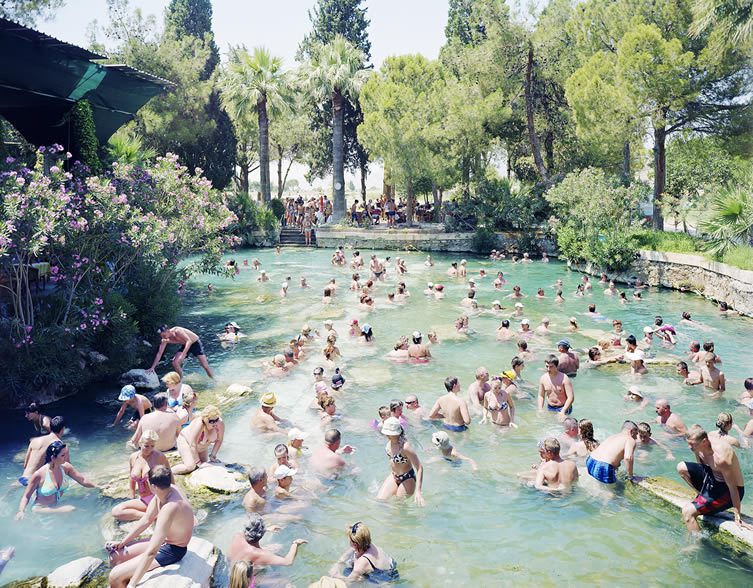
740	256
278	207
484	240
667	241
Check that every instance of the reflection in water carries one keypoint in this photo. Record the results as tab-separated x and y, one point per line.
482	528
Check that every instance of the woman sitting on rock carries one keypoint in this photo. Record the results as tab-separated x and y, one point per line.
141	462
194	441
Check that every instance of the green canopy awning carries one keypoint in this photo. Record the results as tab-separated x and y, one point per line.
41	78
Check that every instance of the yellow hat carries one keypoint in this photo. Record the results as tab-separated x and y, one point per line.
508	374
269	399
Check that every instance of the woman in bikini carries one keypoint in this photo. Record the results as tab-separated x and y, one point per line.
175	389
499	404
363	560
140	463
194	441
406	477
50	483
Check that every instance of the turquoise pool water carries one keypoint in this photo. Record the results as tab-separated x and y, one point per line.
482	528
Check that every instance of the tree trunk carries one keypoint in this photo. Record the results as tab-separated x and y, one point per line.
465	177
280	184
411	203
549	149
243	172
364	173
534	140
266	189
660	174
338	161
436	201
626	175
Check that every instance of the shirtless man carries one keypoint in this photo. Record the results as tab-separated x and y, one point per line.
265	419
568	361
469	300
35	453
462	270
191	344
543	328
413	407
570	435
607	457
451	408
523	352
556	389
173	522
417	350
327	459
255	499
711	376
689	378
165	422
555	473
669	420
716	476
478	389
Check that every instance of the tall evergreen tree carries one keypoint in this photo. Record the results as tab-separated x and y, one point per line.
329	19
215	150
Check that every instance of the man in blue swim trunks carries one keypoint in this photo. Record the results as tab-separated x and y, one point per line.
173	520
603	462
555	389
451	408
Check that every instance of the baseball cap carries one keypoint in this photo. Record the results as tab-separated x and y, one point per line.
563	343
525	322
635	391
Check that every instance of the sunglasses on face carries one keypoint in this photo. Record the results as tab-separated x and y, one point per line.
213	421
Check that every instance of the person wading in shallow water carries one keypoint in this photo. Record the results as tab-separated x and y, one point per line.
191	344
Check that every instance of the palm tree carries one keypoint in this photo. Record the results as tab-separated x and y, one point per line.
729	220
255	82
336	71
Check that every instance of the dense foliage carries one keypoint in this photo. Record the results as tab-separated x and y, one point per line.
113	243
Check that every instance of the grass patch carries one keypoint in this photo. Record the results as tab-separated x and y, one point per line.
739	257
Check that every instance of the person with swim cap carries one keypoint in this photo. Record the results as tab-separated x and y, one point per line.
441	441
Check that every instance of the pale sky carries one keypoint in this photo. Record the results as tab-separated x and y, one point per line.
397	27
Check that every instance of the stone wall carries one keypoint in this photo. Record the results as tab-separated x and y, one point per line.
420	239
716	281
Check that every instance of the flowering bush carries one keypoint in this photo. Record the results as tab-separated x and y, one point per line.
102	235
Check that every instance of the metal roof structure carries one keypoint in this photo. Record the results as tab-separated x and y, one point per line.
42	78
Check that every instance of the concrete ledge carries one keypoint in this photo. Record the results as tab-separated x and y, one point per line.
729	537
692	273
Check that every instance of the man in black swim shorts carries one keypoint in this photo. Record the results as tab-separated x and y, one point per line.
173	520
716	476
191	344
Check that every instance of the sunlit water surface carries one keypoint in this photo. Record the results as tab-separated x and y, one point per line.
483	528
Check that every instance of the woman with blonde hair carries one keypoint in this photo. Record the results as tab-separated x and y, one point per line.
194	441
587	443
364	560
140	463
242	575
175	389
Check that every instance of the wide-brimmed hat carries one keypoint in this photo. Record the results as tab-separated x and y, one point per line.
296	433
391	426
518	305
269	400
635	391
328	582
127	392
284	471
525	322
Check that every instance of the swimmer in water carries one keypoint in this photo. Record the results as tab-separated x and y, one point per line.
441	441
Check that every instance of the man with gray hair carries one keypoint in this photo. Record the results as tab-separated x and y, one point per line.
245	546
165	422
255	499
327	458
570	435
